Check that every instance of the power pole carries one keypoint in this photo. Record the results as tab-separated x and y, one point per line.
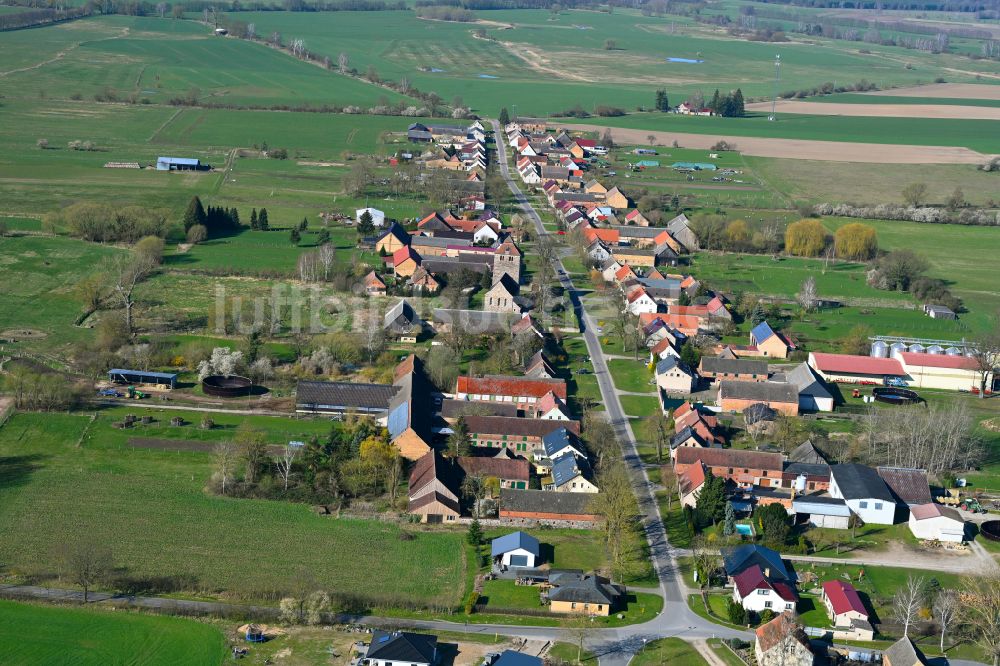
774	87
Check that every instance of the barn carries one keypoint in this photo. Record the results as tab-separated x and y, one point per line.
180	164
124	376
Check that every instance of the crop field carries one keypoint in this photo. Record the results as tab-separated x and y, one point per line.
31	634
977	135
878	98
170	536
159	59
546	64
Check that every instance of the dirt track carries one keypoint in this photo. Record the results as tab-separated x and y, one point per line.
800	149
882	110
947	90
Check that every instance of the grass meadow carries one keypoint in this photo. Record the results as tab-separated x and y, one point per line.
33	634
170	536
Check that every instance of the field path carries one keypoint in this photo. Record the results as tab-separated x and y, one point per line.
801	149
881	110
62	54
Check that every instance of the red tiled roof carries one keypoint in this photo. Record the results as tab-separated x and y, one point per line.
586	143
771	634
624	272
843	597
404	253
689	310
691	479
939	361
511	386
636	294
606	235
753	578
857	365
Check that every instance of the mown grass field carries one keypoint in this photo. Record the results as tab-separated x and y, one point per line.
170	536
668	650
33	634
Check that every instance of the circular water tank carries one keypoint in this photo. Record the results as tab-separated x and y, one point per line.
896	348
953	351
935	349
879	349
917	348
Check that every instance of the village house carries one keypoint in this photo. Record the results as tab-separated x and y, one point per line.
539	367
571	474
552	408
521	391
583	594
864	491
640	302
423	282
558	443
903	653
760	579
401	648
673	376
392	239
768	342
843	603
742	467
373	284
782	642
617	199
690	483
405	261
813	394
524	436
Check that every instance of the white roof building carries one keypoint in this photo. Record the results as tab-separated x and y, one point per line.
378	217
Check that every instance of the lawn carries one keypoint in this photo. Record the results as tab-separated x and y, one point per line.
632	376
565	548
169	536
33	634
637	405
504	594
668	650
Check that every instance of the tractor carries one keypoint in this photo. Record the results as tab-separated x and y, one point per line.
972	505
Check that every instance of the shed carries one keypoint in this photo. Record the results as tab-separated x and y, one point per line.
179	164
694	166
517	549
937	523
122	376
822	511
647	164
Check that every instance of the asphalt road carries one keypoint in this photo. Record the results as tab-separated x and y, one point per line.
619	645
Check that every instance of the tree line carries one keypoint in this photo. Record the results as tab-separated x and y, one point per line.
36	17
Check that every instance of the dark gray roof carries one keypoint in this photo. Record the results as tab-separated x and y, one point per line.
802	376
402	646
733	366
806	453
683	436
759	391
544	501
739	558
468	262
903	653
860	482
809	469
567	467
587	589
344	395
401	318
633	231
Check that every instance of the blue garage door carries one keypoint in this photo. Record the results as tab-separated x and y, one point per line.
518	560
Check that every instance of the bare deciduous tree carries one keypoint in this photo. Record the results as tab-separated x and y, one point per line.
946	608
807	293
87	564
981	612
327	256
286	461
907	602
226	456
124	273
342	63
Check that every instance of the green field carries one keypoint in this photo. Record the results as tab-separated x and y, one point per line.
31	634
159	59
874	98
169	536
974	134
